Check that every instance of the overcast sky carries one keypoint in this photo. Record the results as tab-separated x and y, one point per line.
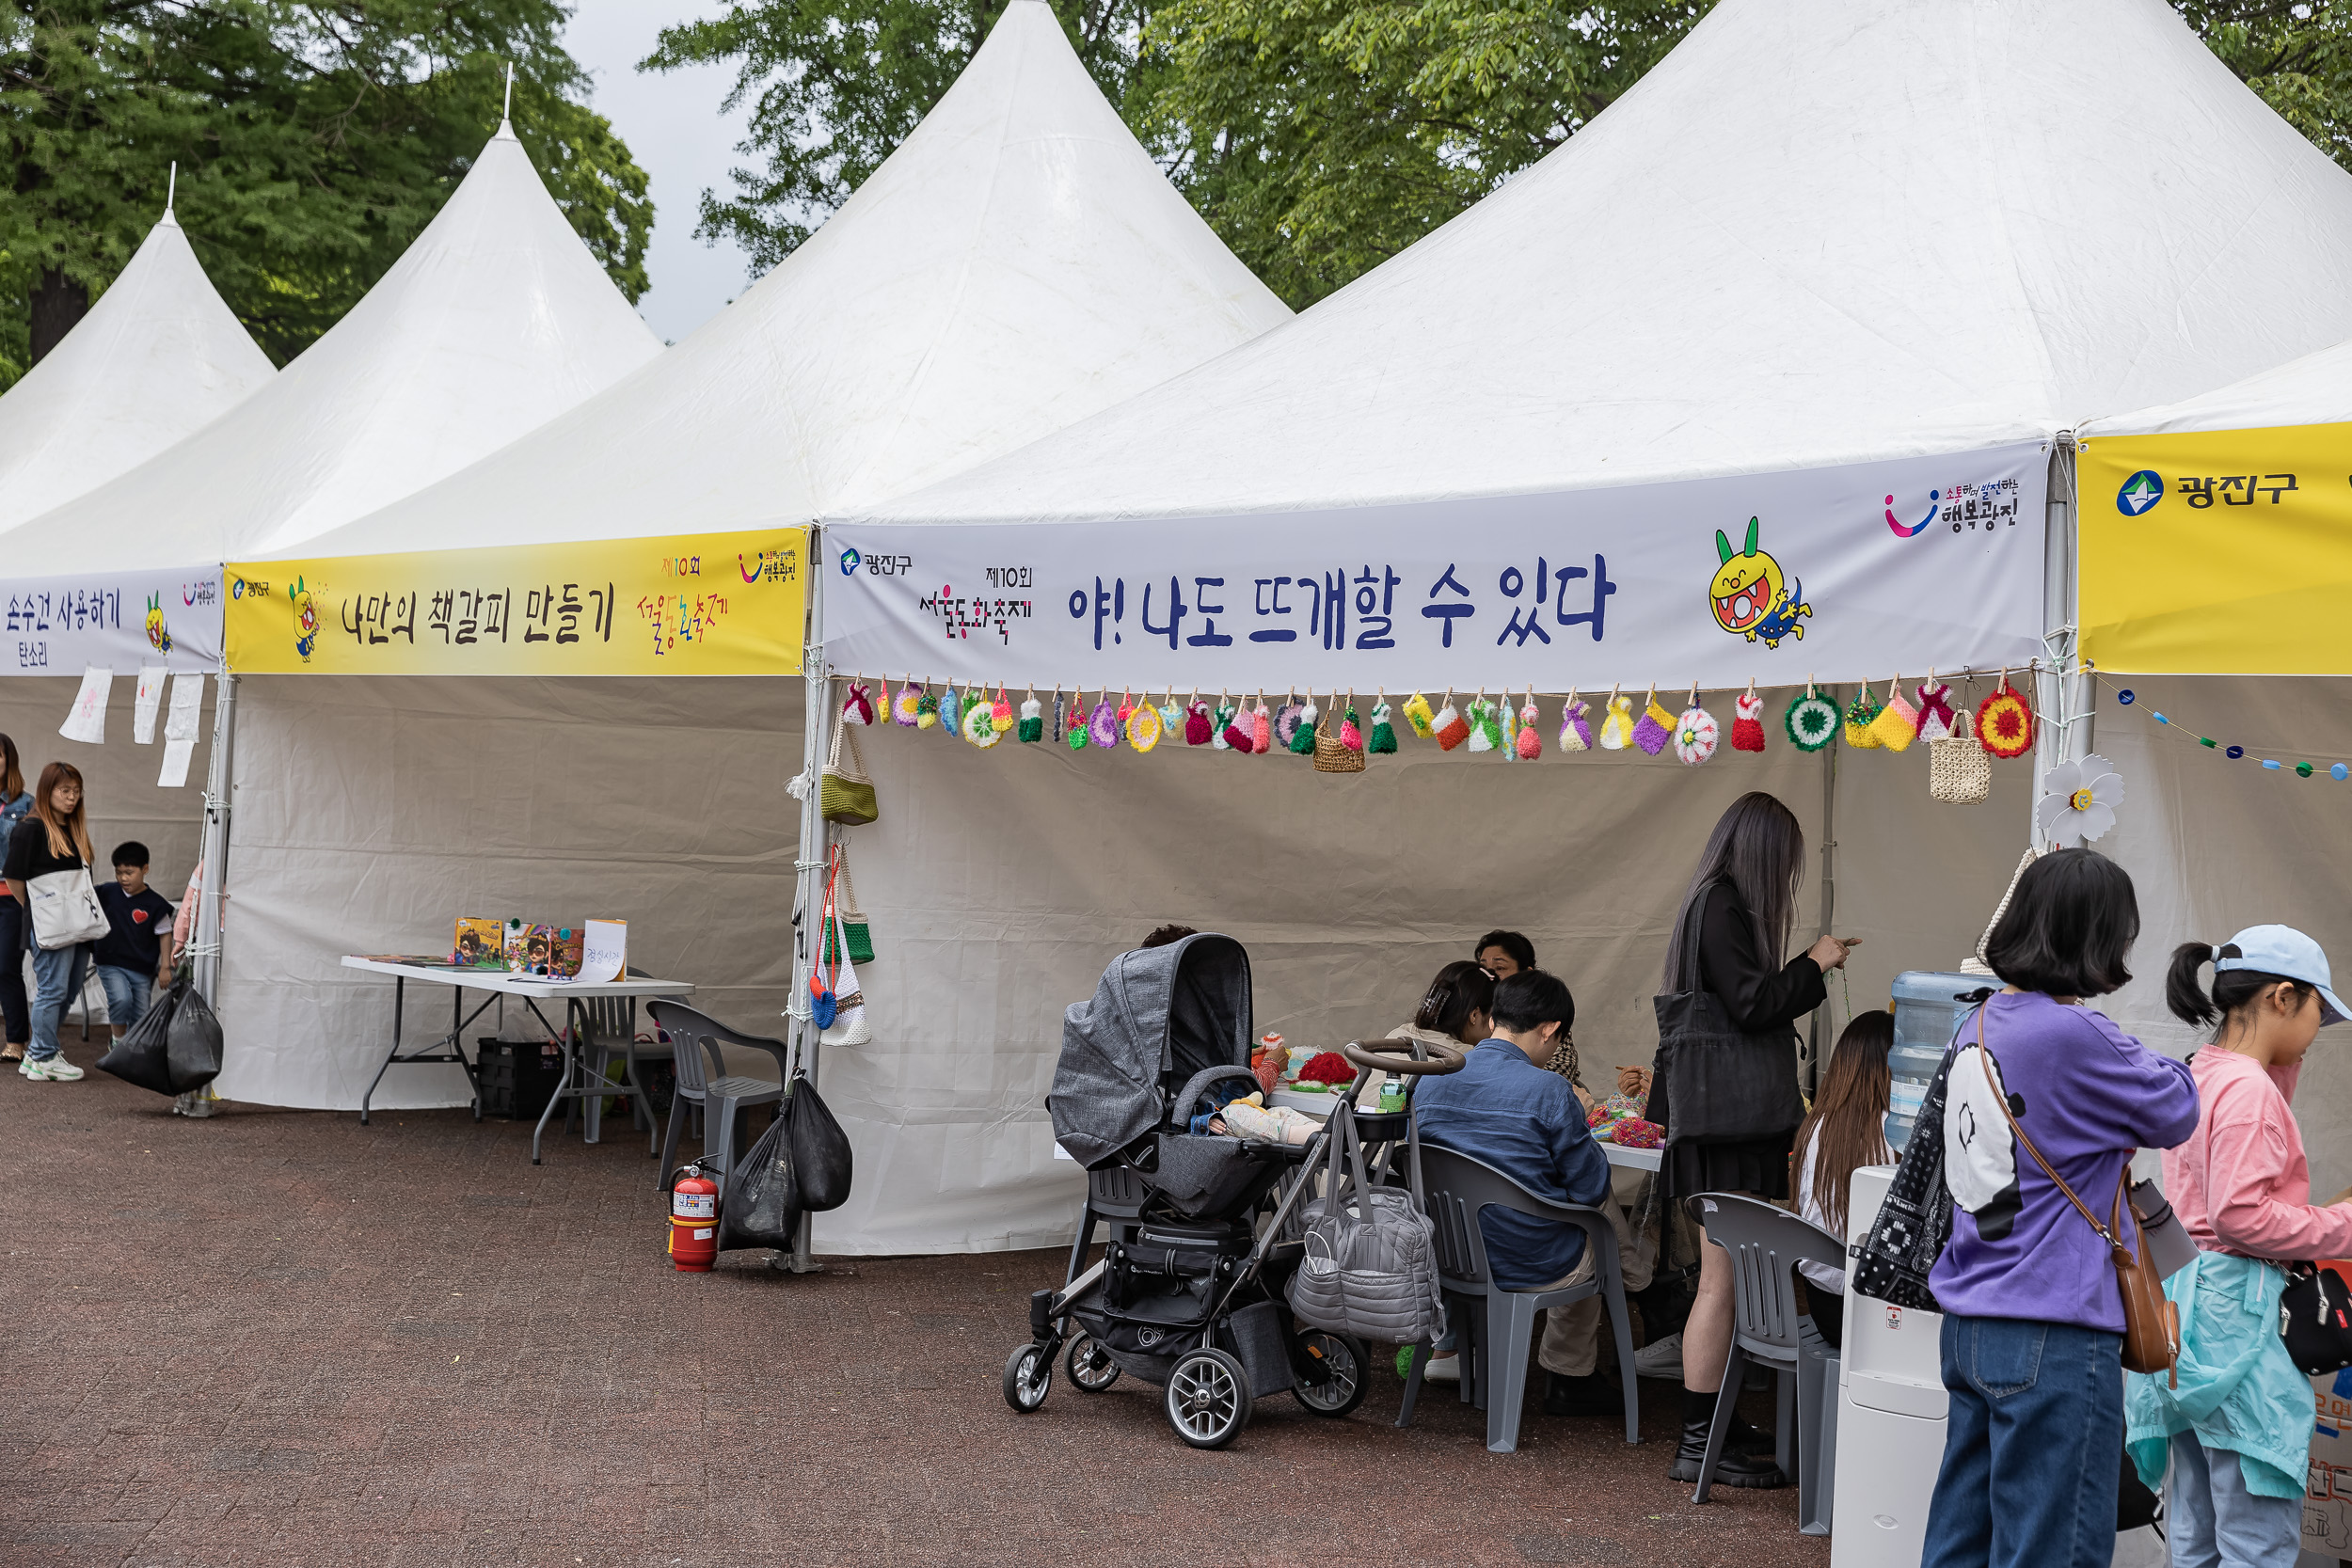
672	123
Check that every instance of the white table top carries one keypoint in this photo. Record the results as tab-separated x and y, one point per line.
518	985
1320	1105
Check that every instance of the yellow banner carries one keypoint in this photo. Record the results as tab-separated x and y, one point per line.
720	604
2217	552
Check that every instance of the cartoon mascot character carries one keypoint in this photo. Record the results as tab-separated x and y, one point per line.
158	634
306	619
1753	597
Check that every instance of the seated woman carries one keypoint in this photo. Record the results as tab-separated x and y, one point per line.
1455	1011
1846	1132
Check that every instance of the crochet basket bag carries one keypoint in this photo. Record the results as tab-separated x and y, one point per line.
1960	773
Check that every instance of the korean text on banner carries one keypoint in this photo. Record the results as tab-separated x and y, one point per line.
726	604
2217	552
1847	574
58	626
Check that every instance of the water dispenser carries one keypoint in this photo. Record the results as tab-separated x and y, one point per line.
1929	1005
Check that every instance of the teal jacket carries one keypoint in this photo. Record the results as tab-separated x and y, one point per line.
2238	1389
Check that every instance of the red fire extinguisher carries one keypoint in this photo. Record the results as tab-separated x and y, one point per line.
694	1221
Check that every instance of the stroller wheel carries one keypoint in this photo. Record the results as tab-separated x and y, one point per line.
1208	1398
1028	1377
1089	1365
1342	1360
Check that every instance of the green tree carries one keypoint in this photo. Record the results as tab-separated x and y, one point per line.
313	141
2297	54
835	85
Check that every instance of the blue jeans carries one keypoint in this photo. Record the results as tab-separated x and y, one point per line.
2213	1520
127	991
58	972
2033	1447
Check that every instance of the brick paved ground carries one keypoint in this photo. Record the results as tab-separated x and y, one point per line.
279	1337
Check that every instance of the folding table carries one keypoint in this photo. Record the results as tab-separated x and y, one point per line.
531	988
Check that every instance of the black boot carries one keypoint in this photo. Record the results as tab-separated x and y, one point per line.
1589	1395
1734	1468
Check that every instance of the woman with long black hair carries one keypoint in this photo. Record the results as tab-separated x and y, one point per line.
1729	1102
16	802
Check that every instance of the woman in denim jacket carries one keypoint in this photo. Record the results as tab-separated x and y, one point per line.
16	802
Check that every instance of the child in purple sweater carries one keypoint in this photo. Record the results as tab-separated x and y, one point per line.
2033	1322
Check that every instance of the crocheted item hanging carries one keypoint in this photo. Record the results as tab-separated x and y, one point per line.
1859	715
1509	743
1616	725
1655	728
1897	724
1103	725
1695	735
1450	728
980	724
858	706
1935	710
1576	735
1811	722
1199	728
907	706
1383	742
1417	714
1032	719
1529	744
2004	723
1485	726
951	710
1001	713
1302	739
1232	728
1074	736
1143	726
1261	728
1351	735
1171	718
926	709
1747	724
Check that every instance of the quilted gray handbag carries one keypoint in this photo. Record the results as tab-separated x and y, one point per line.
1371	1267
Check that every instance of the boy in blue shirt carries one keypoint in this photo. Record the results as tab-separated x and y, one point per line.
134	956
1506	1108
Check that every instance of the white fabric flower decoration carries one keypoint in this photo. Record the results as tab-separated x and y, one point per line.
2079	802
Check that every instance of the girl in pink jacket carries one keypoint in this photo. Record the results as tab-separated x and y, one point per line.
2238	1426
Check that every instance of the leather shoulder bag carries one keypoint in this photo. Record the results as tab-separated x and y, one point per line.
2152	1324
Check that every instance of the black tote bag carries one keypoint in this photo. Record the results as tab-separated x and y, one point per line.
1721	1082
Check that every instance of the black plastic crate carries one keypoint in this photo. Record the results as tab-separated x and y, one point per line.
517	1079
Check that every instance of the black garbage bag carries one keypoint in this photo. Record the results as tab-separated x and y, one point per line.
195	1038
143	1054
762	1207
820	1151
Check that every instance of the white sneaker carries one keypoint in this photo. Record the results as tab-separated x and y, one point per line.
56	1069
1442	1368
1661	1359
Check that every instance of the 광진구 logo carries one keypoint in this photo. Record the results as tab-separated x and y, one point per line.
850	559
2139	493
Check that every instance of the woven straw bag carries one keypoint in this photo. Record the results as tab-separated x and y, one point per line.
1330	755
1959	771
848	791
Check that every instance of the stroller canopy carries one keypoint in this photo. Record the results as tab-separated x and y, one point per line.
1161	1011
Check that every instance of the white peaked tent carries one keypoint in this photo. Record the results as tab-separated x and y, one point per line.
494	319
1820	233
1018	262
156	357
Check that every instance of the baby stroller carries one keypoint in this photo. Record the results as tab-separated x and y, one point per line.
1190	1291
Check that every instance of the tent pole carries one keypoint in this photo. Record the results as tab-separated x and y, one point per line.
205	949
817	726
2061	689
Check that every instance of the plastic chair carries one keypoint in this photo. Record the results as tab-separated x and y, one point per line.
1766	1246
695	1037
1458	1187
608	1027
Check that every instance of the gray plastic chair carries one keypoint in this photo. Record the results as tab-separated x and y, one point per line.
608	1033
696	1038
1458	1188
1766	1246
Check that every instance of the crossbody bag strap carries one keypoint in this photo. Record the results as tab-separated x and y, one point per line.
1984	1060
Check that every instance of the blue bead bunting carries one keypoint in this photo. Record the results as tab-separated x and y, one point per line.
2125	697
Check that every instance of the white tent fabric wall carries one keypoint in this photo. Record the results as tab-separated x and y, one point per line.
372	812
1018	262
118	778
999	884
493	320
158	356
2215	845
1816	233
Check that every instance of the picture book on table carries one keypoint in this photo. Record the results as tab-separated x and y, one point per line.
566	950
529	948
480	945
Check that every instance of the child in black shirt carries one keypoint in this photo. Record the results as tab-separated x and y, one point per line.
135	956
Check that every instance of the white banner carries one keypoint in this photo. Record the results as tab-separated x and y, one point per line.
1840	575
113	620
